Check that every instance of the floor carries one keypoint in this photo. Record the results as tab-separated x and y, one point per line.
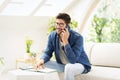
4	76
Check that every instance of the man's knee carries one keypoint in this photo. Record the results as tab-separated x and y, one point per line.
67	67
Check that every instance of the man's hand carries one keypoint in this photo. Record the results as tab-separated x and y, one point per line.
64	36
39	64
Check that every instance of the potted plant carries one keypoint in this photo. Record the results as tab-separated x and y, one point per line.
1	61
29	54
28	47
1	65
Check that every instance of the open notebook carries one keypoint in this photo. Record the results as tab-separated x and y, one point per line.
45	70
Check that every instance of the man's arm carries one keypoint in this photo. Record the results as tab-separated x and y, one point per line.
49	50
74	51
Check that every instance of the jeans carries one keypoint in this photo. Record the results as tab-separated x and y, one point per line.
70	70
54	65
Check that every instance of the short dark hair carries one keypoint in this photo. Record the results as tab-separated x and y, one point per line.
65	17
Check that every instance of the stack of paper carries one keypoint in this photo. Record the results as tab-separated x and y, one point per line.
45	70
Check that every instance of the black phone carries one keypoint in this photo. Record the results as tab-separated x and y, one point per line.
66	27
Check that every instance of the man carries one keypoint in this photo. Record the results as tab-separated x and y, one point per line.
68	47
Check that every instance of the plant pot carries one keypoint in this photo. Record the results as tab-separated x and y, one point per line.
27	56
2	68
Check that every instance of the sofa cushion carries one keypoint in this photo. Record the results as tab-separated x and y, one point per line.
106	54
88	47
100	73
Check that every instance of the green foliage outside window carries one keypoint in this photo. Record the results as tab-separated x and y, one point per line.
104	28
96	29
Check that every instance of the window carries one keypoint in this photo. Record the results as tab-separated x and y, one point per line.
105	25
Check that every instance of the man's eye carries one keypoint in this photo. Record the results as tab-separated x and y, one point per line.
61	24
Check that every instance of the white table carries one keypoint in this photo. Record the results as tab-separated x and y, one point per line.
19	74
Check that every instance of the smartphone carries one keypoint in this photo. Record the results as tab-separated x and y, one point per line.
66	27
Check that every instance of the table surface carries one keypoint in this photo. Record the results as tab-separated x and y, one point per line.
19	74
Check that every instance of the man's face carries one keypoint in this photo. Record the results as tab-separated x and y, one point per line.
60	25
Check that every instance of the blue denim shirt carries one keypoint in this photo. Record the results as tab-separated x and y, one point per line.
74	50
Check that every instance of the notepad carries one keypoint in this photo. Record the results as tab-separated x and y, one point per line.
45	70
26	67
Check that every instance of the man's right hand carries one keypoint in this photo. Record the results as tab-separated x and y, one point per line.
39	64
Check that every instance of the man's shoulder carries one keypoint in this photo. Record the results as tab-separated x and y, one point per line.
53	34
75	34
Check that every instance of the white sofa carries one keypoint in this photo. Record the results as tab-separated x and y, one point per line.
105	61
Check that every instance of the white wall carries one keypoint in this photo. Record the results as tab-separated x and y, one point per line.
13	31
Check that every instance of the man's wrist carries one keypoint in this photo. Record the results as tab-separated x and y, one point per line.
65	43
